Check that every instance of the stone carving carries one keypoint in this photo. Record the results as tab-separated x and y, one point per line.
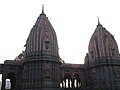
47	73
117	74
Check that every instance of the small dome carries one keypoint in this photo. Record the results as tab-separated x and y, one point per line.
102	44
42	39
42	33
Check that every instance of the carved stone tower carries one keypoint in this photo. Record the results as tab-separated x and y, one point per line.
41	65
102	62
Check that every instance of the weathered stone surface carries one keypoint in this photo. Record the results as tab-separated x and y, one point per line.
39	67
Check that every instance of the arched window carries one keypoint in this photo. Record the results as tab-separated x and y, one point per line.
7	84
67	83
12	78
46	43
76	81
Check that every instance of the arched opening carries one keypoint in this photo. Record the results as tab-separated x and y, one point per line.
12	78
67	82
7	84
76	81
62	83
46	43
0	81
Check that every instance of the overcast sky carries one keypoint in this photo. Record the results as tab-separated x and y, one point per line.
73	20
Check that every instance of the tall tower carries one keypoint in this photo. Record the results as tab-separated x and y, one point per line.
41	65
102	61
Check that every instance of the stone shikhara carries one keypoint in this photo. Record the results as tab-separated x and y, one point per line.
40	67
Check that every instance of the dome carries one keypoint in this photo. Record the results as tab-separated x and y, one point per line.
42	37
102	44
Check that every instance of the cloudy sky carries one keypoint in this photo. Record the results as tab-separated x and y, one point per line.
73	20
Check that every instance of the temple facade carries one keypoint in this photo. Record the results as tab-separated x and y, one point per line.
40	67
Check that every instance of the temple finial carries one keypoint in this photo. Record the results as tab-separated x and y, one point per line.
43	14
98	21
43	8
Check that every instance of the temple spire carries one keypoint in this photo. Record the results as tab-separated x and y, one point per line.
98	22
42	8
